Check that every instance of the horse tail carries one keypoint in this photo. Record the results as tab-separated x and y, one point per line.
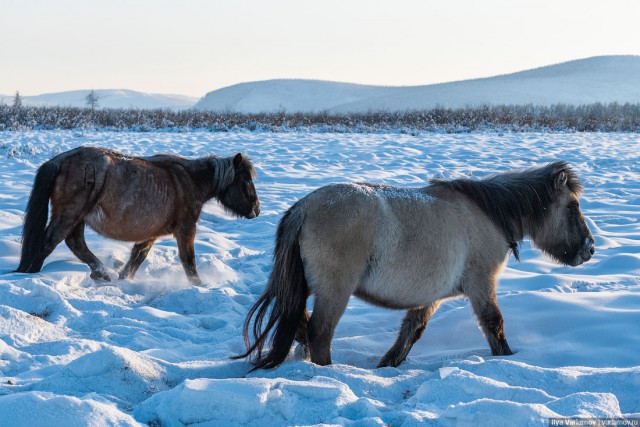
287	292
36	216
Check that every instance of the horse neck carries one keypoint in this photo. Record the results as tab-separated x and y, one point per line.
201	174
508	204
214	175
523	207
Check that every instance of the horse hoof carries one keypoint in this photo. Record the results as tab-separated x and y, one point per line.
302	352
387	364
100	276
124	276
196	282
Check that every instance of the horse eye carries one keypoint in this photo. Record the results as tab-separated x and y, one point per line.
573	207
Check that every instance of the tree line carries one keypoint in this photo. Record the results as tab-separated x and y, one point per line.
519	118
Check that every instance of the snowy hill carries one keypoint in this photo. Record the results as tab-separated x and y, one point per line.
598	79
108	98
289	95
6	99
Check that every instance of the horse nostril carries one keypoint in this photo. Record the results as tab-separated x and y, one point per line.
590	245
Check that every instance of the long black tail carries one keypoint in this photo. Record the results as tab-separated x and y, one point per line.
287	291
35	221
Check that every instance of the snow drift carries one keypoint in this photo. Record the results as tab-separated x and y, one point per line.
156	350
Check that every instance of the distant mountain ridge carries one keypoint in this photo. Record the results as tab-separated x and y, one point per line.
602	79
108	98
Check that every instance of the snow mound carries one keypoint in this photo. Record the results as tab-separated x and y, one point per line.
35	408
120	374
274	402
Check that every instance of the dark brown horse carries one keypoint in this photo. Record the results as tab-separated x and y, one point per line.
134	199
409	248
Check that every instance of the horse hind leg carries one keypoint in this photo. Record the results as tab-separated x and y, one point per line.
57	231
327	311
411	330
302	336
139	253
76	242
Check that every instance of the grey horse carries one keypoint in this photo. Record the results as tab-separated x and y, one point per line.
409	249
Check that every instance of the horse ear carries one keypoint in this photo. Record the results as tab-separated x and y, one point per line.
561	180
237	161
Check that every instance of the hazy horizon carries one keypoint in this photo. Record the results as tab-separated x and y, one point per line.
171	47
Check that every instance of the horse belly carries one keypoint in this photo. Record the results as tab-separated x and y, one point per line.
96	220
416	260
127	226
413	286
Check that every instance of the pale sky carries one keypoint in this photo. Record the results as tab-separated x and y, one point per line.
194	46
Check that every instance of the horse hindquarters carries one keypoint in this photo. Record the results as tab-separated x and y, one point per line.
72	182
336	242
304	234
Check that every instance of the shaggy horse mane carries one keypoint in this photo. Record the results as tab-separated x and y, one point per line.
511	198
224	172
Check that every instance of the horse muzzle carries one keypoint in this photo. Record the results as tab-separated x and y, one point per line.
586	252
254	213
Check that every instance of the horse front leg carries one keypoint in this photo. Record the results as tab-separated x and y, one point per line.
485	306
413	326
76	242
139	253
185	238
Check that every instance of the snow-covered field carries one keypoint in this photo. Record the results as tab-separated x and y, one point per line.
156	350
